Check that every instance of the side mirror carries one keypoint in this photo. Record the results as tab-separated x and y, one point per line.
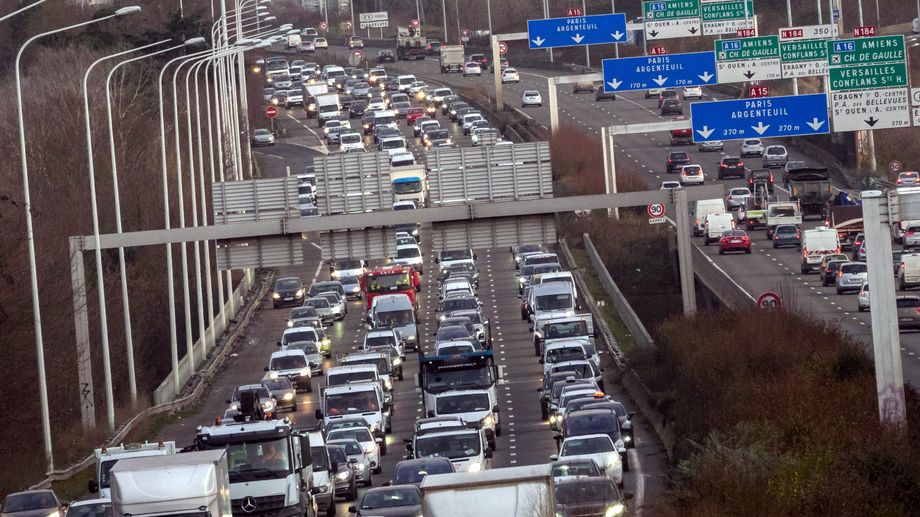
496	409
553	457
318	414
487	453
628	495
352	509
631	414
228	402
266	368
430	413
541	361
92	486
378	440
387	483
352	461
279	343
539	390
437	260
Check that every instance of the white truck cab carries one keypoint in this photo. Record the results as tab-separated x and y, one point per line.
464	445
559	351
714	225
461	256
294	365
359	373
579	326
553	300
323	473
365	400
476	407
815	244
410	255
106	457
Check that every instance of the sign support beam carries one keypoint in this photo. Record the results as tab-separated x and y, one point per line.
496	56
554	101
684	245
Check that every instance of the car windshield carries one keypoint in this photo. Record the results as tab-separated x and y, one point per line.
592	423
395	143
380	340
740	192
390	498
449	405
775	149
407	187
408	252
348	403
299	334
566	329
437	134
258	460
360	434
393	319
287	284
414	472
452	332
288	362
461	445
679	156
785	229
352	448
552	302
383	366
352	138
388	282
591	445
302	312
853	268
29	501
308	347
340	378
734	233
90	510
575	468
317	303
582	369
458	304
281	383
443	380
582	491
569	353
692	170
262	391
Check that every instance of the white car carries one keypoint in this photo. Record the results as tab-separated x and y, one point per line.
472	68
693	92
653	93
262	137
597	447
531	98
319	43
350	142
511	75
376	104
485	134
862	299
710	145
467	121
691	175
775	156
306	46
752	147
670	185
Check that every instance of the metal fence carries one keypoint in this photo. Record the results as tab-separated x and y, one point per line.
490	173
254	200
353	183
493	233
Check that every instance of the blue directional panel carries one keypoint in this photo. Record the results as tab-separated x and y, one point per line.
664	71
759	118
573	31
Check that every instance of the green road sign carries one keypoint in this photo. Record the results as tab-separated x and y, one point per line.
671	9
866	77
804	50
861	51
760	47
731	10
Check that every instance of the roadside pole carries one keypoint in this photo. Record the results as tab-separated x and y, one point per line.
496	58
684	247
886	342
610	169
552	83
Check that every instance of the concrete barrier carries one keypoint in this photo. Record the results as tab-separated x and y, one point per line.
714	278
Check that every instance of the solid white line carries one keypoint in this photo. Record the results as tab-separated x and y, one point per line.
318	266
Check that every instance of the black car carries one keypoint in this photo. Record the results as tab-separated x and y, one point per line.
455	107
346	101
786	235
446	101
482	59
625	417
433	48
548	382
582	496
601	95
731	166
357	109
411	472
672	107
676	161
760	176
367	122
595	421
287	291
390	501
386	56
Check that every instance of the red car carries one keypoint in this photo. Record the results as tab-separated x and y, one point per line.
414	114
734	240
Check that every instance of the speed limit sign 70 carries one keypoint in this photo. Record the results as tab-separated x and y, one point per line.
656	210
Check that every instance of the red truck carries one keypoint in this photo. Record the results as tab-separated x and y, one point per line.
391	280
681	136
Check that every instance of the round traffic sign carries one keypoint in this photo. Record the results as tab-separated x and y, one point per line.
271	112
354	59
323	25
502	47
769	301
347	25
656	210
414	23
895	166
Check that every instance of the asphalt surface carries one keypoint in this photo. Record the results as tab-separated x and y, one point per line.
526	438
766	269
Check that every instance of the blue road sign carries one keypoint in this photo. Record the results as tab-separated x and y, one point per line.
759	118
664	71
573	31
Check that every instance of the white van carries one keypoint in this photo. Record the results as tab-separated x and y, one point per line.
356	400
716	224
322	472
395	311
332	73
815	244
385	118
351	142
909	271
404	82
703	208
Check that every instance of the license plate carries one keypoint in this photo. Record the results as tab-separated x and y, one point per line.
736	241
289	298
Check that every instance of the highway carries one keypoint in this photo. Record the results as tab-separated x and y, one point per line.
526	438
764	270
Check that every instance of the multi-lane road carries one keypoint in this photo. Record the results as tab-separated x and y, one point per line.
764	270
526	438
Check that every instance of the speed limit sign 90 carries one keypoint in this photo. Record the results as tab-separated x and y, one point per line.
769	301
656	210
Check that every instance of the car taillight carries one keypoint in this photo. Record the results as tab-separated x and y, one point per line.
722	165
669	160
740	164
771	177
900	181
917	310
840	274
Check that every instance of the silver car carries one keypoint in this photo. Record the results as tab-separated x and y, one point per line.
775	156
531	98
862	299
711	145
737	198
313	353
908	312
263	137
323	308
282	391
352	286
851	276
356	458
337	303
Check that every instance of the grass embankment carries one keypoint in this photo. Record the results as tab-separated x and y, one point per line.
777	415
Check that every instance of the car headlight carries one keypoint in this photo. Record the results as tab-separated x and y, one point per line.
234	407
554	418
343	475
475	466
323	489
615	510
620	446
55	513
299	293
415	232
268	405
397	361
290	323
627	439
360	466
411	338
305	372
375	427
488	420
326	341
276	296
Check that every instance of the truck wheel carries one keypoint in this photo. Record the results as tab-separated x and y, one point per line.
626	463
331	510
498	429
353	493
310	386
491	444
536	348
544	411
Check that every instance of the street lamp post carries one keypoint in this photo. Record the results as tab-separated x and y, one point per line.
30	236
21	9
100	283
